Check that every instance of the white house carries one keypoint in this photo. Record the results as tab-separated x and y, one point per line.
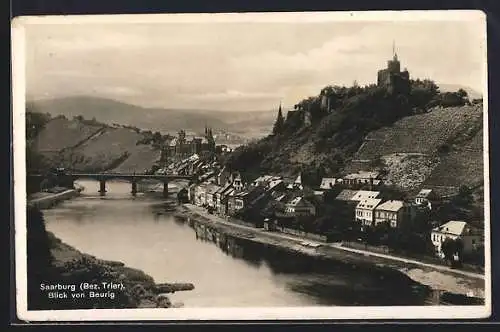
365	211
300	207
327	183
425	198
391	212
471	238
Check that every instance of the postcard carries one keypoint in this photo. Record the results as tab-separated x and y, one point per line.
251	166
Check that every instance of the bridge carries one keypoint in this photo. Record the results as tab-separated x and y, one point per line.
133	178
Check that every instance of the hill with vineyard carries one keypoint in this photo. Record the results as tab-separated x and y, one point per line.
425	138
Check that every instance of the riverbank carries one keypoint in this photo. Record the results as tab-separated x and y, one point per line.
438	278
69	266
139	289
46	200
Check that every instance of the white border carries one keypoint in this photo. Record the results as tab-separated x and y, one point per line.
272	313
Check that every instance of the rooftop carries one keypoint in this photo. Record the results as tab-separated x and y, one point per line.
346	195
327	183
369	203
393	206
362	175
453	227
365	194
424	193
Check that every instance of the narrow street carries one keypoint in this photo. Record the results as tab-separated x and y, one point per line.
336	245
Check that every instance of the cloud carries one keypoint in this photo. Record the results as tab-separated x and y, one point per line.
240	65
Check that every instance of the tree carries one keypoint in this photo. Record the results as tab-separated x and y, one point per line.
278	125
452	248
463	94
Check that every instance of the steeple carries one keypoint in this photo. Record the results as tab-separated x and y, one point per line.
394	54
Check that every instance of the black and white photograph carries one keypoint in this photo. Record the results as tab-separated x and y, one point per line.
307	165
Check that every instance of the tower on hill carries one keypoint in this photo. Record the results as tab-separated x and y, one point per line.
395	80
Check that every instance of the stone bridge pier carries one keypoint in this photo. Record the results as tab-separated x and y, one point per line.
165	189
102	187
134	187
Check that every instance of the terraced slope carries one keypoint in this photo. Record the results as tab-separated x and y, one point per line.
80	146
422	133
61	133
442	149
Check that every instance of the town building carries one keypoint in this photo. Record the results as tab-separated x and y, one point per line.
470	237
211	190
427	198
362	178
221	198
183	146
366	194
327	183
365	211
392	212
300	207
392	78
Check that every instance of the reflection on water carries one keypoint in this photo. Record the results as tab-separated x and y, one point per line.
142	232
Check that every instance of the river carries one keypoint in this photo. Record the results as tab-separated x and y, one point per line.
142	233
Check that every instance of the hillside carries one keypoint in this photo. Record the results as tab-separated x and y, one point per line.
156	119
442	148
371	129
83	146
59	133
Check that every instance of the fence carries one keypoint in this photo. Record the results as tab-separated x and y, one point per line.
310	236
364	246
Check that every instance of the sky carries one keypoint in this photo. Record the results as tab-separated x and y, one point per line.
241	65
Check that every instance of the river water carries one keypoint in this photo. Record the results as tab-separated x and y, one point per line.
142	233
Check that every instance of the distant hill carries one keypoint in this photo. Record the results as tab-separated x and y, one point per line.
156	119
473	94
93	147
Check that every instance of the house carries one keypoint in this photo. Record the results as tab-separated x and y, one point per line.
327	183
200	194
362	178
210	200
294	183
345	204
237	181
299	206
392	212
221	198
365	211
240	200
426	197
471	237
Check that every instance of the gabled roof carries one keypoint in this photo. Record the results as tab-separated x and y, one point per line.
393	206
212	188
365	194
299	201
327	183
424	193
452	227
370	203
346	195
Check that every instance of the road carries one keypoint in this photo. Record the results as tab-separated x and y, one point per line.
336	245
